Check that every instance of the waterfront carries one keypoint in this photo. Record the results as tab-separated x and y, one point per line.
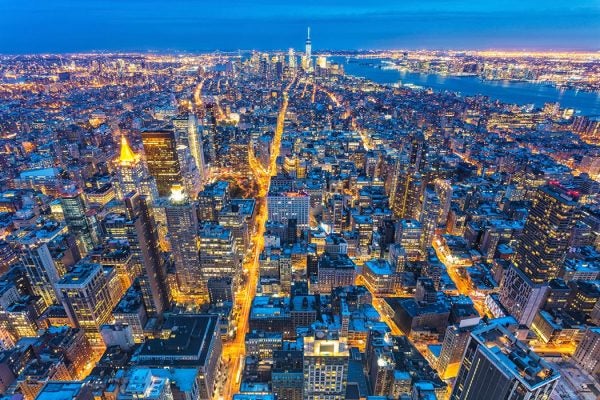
586	103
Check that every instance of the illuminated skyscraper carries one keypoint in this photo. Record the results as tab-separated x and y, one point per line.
132	174
160	147
86	297
430	213
218	253
543	244
325	367
188	134
42	271
405	192
292	59
77	221
497	366
182	223
143	240
307	60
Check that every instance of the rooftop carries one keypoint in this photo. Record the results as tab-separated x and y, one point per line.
513	356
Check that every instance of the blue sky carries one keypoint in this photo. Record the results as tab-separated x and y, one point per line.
28	26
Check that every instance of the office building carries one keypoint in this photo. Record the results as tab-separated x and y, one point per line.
76	218
160	148
132	174
543	244
287	376
521	297
86	297
182	224
587	354
142	236
325	367
289	208
497	366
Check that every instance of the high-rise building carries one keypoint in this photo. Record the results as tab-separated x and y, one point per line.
182	224
588	351
42	271
497	366
87	299
79	224
325	367
289	207
522	297
287	376
160	147
455	341
132	174
430	213
405	192
292	59
308	52
143	241
212	199
218	253
543	244
189	136
408	236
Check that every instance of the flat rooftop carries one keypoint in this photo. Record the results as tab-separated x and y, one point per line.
513	356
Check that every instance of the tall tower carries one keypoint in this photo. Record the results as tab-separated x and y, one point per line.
77	221
496	365
143	240
541	251
308	52
292	59
42	271
182	224
325	367
132	174
308	45
188	134
87	299
160	147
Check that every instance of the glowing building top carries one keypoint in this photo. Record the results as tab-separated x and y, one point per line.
308	45
127	155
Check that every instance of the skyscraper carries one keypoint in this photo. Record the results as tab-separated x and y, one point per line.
188	135
521	296
219	256
132	174
42	271
405	192
542	248
497	366
143	240
325	367
160	147
292	59
182	223
308	52
86	297
77	221
289	207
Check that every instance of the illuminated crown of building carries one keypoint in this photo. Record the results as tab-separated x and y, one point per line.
178	194
127	155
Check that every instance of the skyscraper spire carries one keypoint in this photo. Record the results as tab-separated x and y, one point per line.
127	155
308	51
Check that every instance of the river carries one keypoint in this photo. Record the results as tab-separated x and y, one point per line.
585	103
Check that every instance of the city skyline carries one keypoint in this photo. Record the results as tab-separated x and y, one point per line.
299	224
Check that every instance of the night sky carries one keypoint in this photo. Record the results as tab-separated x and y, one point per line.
186	25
